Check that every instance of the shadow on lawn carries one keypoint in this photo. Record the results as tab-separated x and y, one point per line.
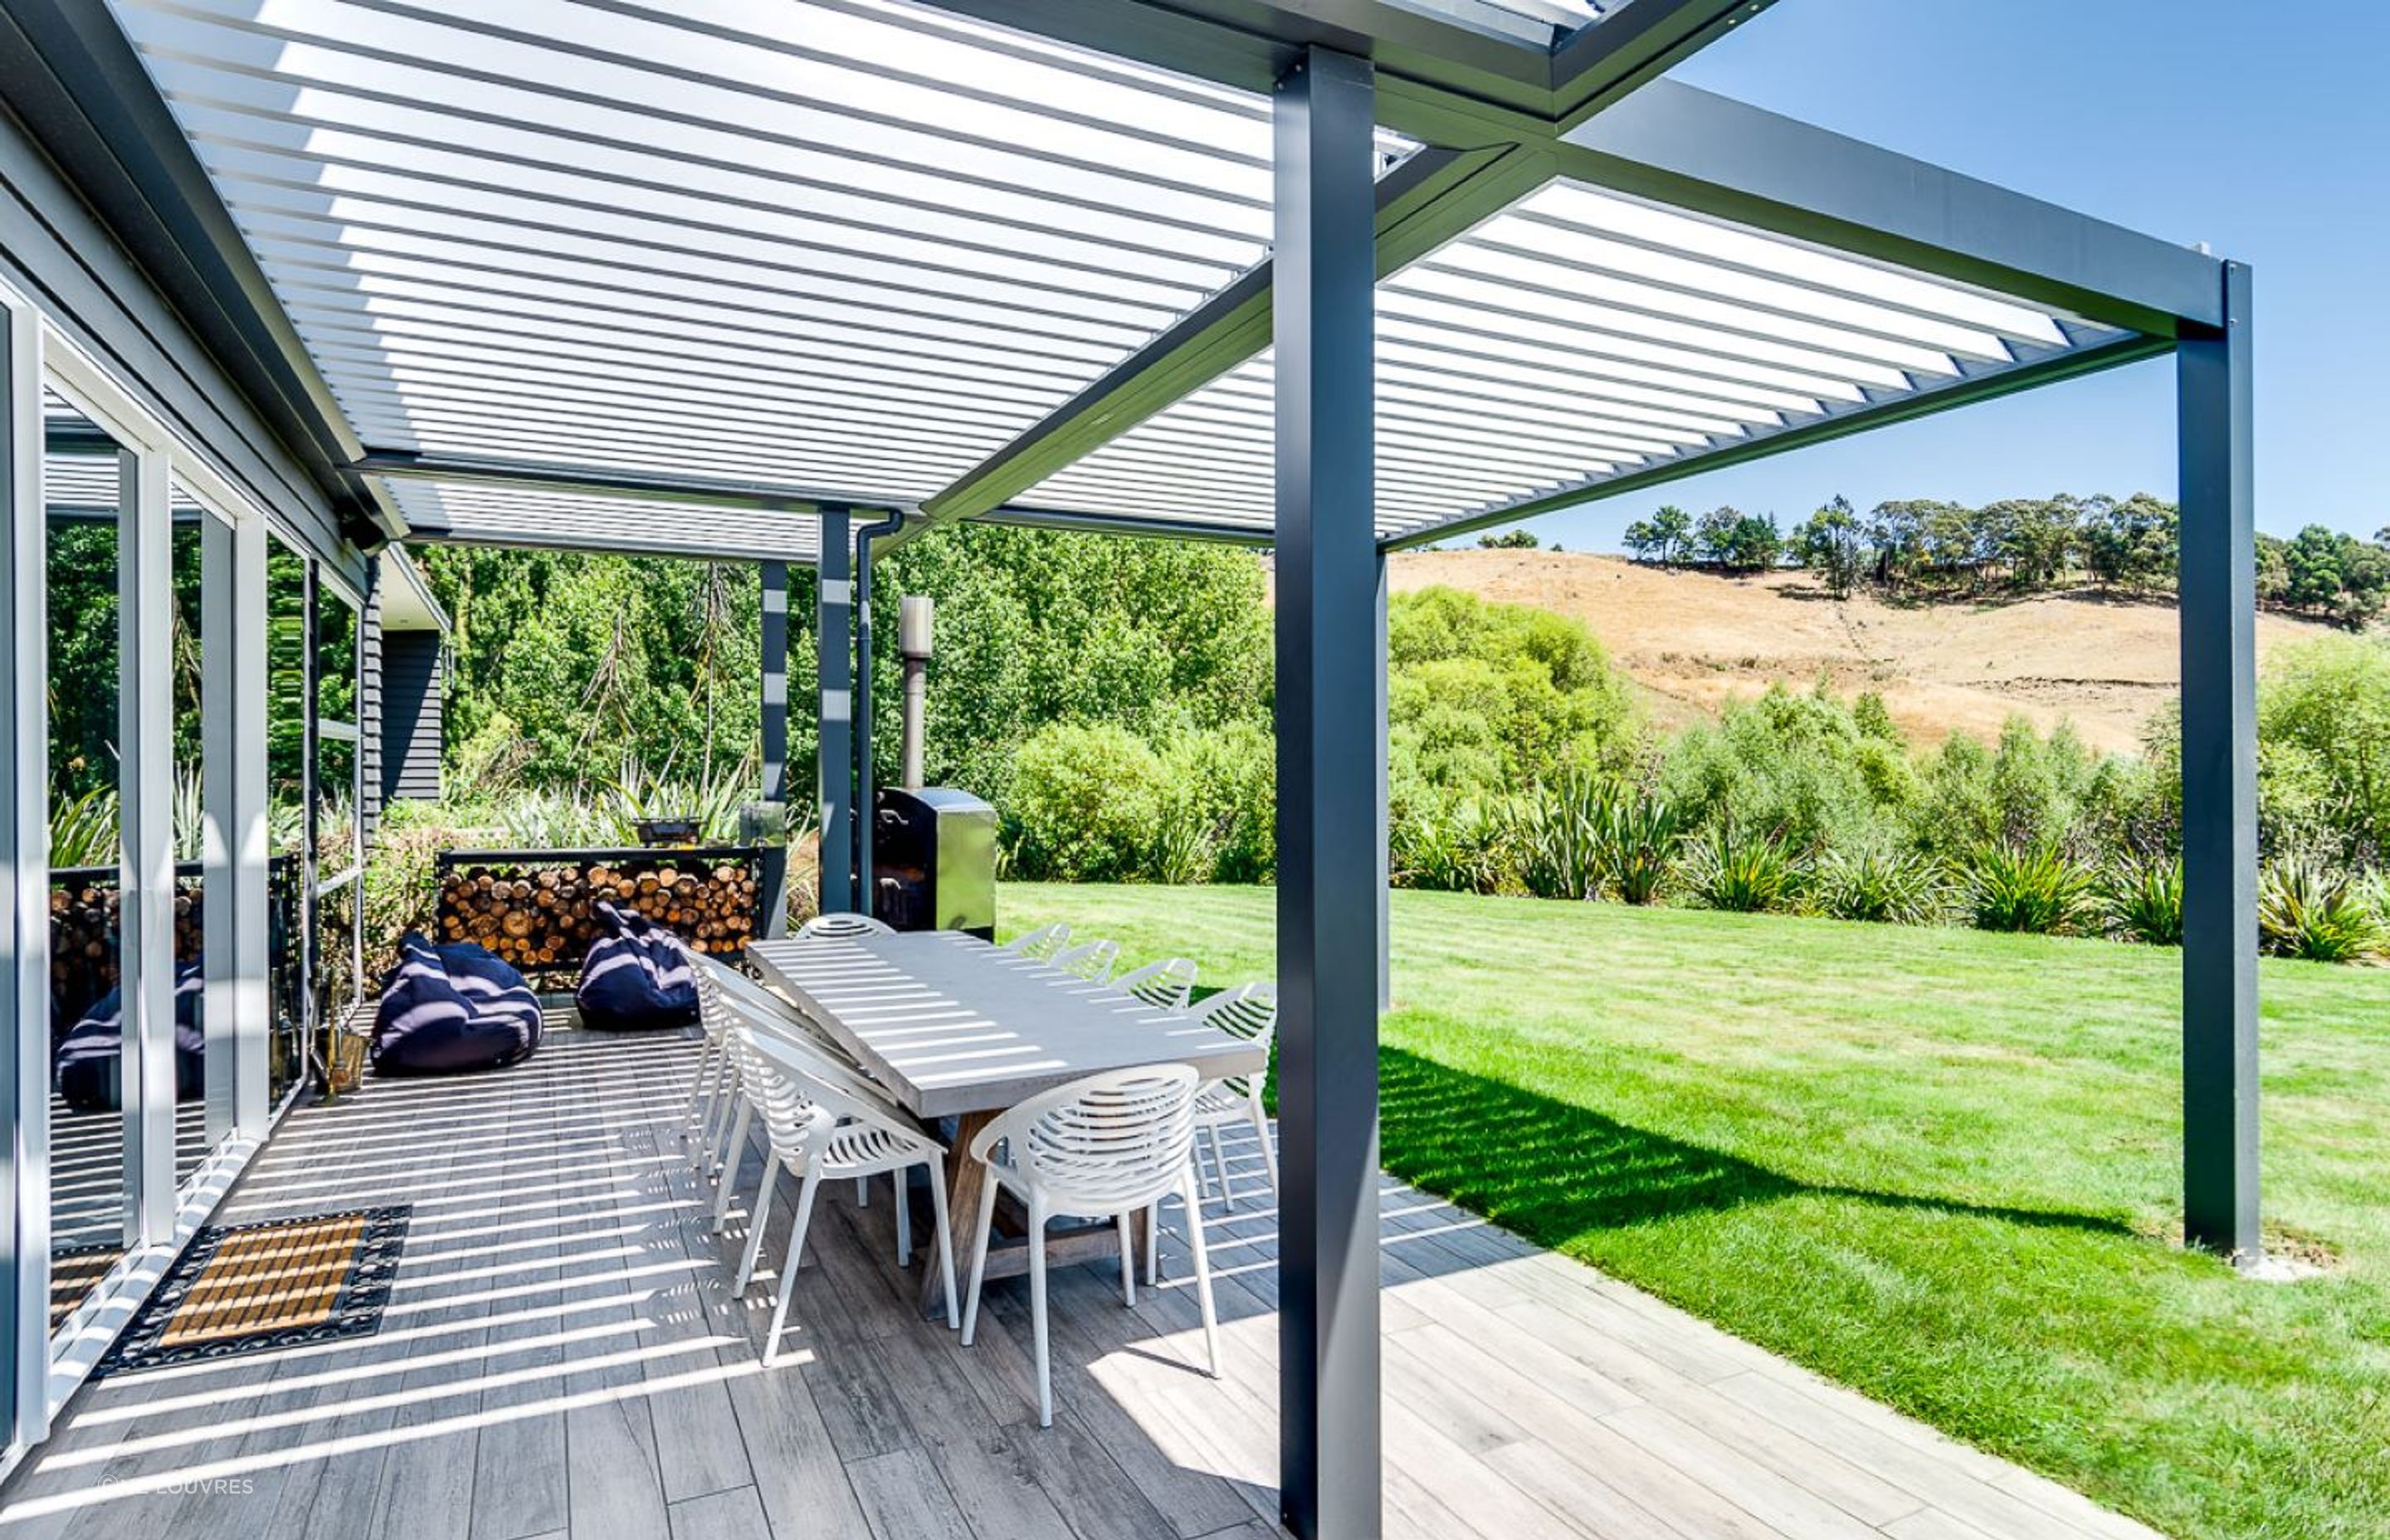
1552	1171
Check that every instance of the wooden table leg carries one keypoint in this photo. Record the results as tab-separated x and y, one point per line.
965	1180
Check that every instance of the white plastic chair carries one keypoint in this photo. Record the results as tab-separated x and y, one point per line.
724	995
1166	984
820	1126
1039	945
1111	1145
1091	960
841	928
1249	1011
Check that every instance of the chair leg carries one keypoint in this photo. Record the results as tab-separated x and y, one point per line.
719	1110
756	1224
1269	1148
1203	1273
945	1238
1210	1135
789	1265
732	1135
730	1171
1038	1312
863	1192
697	1088
979	1257
1153	1244
1128	1257
903	1219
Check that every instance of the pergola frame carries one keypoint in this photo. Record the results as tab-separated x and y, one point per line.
1587	107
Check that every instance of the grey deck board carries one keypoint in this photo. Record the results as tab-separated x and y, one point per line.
564	1354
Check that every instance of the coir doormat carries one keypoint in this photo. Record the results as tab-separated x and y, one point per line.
256	1287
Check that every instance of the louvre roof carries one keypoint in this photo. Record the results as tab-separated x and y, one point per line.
860	250
1576	337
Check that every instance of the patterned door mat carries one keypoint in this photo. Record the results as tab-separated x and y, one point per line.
255	1288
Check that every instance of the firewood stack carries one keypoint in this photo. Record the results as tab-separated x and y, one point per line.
83	942
541	917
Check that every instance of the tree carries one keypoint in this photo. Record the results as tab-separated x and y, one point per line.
1510	540
2131	544
2313	566
1831	544
1642	539
2364	583
1674	528
1714	536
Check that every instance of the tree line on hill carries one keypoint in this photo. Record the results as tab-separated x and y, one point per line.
1924	548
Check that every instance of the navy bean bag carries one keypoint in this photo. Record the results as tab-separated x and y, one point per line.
88	1062
446	1008
635	976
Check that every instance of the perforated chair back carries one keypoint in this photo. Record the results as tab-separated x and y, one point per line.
1039	945
1109	1144
1091	960
1167	984
1249	1011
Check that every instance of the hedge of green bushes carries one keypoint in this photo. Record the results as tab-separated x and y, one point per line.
1520	764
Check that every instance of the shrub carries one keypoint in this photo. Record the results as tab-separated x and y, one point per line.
1796	763
1555	836
1455	845
1733	868
2307	909
2034	888
1880	884
1223	787
2141	897
1634	846
1086	800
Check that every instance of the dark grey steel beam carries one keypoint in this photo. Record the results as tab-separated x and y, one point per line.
636	486
2219	617
772	624
834	705
1596	67
1127	524
1420	204
1328	566
2022	377
1693	148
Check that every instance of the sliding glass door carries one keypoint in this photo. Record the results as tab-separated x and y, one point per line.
157	994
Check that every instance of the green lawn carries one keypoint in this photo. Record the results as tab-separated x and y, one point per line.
1937	1165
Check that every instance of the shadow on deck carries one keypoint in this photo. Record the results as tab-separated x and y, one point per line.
562	1354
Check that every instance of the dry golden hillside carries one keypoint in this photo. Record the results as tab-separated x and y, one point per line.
1696	639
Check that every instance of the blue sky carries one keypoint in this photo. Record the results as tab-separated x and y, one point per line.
2264	131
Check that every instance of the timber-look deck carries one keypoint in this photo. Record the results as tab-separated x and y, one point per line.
562	1356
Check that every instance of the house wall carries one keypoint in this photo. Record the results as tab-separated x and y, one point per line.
412	675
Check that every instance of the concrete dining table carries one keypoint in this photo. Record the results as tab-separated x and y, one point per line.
955	1027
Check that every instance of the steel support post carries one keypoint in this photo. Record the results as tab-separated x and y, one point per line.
2219	781
25	859
1385	813
772	624
146	911
834	623
1328	840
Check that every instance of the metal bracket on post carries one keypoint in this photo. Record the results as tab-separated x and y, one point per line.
1328	840
2218	616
